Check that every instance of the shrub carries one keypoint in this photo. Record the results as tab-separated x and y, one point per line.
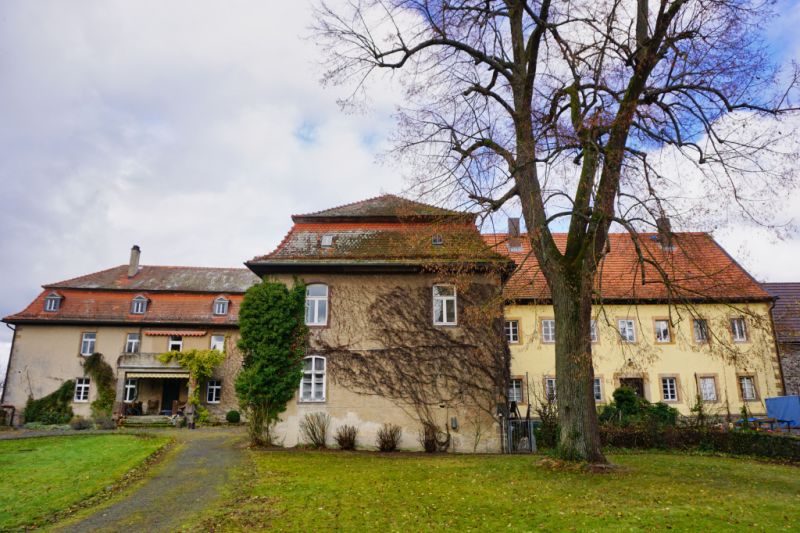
627	409
388	437
233	417
433	440
314	428
55	408
346	437
80	423
104	422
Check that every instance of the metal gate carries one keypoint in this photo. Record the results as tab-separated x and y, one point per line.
519	437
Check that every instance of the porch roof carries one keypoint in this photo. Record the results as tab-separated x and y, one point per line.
157	375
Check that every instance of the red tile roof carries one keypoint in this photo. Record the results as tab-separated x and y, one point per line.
165	278
699	269
786	312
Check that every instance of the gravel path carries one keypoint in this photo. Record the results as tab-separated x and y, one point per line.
188	482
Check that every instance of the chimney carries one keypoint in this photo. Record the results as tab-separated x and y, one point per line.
664	231
133	266
514	240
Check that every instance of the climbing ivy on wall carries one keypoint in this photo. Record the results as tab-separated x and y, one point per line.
51	409
201	365
102	374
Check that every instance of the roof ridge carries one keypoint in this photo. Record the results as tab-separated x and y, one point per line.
50	285
387	196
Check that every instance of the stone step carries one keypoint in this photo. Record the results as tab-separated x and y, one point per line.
147	421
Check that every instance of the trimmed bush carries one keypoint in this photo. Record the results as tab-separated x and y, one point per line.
346	437
104	422
233	417
388	437
627	409
55	408
314	428
80	423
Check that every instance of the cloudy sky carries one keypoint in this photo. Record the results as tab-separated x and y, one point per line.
194	129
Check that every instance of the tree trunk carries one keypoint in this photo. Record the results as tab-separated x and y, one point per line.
577	413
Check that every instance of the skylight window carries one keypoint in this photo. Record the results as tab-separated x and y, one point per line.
437	240
326	241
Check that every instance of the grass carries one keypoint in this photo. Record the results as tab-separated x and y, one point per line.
323	491
43	477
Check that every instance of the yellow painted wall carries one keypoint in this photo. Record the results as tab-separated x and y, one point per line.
533	359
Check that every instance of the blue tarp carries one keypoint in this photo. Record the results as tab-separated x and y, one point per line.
785	408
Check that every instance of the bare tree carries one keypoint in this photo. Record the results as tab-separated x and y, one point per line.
560	106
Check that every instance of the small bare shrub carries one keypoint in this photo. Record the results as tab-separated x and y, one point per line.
433	440
314	428
346	437
80	423
389	437
104	422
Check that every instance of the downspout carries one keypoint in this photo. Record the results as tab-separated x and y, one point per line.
777	347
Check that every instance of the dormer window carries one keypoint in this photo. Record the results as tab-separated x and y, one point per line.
221	306
52	303
437	240
139	305
326	241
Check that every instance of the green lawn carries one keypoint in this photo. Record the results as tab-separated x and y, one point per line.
319	491
42	476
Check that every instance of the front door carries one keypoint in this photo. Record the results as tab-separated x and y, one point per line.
172	392
637	384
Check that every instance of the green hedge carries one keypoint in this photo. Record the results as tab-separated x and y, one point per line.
55	408
736	442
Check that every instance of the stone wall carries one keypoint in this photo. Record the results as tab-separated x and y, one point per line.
790	364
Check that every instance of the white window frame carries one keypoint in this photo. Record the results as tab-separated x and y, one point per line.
221	306
131	390
752	388
511	330
705	379
515	390
82	390
136	343
548	330
312	382
629	326
52	303
214	391
437	240
175	339
445	301
659	332
597	389
217	342
139	305
88	343
313	305
593	330
669	389
326	241
739	329
550	389
698	329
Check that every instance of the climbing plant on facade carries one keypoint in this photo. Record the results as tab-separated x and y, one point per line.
201	365
103	376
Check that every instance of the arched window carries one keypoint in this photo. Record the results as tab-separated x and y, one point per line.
312	387
221	305
317	305
52	302
139	305
444	305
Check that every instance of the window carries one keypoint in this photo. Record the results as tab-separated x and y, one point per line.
627	330
598	390
221	306
132	343
514	246
312	387
87	343
739	329
175	343
550	389
669	389
444	305
747	386
218	342
214	391
512	331
326	241
437	240
662	331
317	305
131	390
700	327
708	389
82	390
515	391
548	330
52	303
593	330
139	305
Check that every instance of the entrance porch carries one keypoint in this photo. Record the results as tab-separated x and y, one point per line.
154	393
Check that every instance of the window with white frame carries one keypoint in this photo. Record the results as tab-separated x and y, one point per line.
515	391
214	391
218	342
512	331
627	330
132	343
700	327
52	303
669	389
175	343
312	386
708	389
437	240
548	330
739	329
87	343
82	389
131	390
747	386
139	305
550	389
221	306
317	305
598	390
662	331
326	241
444	305
593	330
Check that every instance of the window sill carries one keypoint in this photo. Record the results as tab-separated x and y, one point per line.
312	401
451	324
